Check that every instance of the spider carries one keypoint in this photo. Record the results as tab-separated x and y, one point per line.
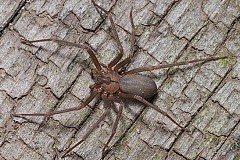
113	85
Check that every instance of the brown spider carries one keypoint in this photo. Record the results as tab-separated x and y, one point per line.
115	87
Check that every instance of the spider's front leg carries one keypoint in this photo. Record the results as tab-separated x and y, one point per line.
67	43
115	36
133	41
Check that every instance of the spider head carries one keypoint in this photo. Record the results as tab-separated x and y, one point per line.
108	80
101	78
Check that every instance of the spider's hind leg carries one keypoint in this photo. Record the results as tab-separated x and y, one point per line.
141	99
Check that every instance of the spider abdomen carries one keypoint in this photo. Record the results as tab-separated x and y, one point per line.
138	85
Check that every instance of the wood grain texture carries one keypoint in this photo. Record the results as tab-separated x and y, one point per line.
205	98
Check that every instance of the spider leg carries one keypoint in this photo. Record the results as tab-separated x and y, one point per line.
48	114
114	98
67	43
115	35
114	126
115	109
141	99
143	69
108	105
133	41
107	112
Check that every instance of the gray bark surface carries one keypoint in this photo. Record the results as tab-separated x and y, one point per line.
204	98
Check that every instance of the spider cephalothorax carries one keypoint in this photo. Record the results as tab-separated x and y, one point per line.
109	80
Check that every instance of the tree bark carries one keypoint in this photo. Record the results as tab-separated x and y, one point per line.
38	78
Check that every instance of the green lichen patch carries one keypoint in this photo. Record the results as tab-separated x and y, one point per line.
227	62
